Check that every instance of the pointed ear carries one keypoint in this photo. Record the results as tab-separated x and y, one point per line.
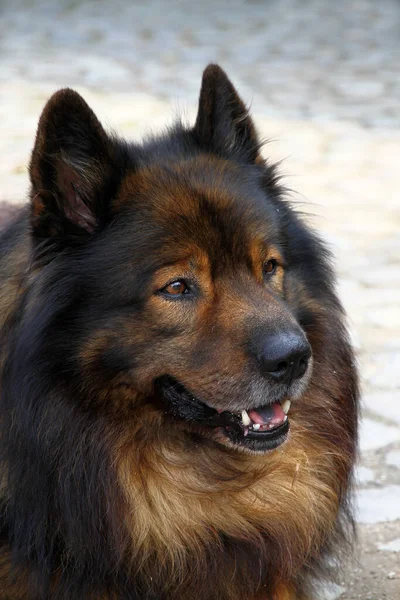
70	171
223	124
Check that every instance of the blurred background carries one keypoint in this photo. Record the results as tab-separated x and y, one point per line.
323	82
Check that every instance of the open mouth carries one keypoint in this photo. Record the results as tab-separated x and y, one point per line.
262	428
259	429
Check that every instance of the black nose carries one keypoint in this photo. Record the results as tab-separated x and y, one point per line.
284	356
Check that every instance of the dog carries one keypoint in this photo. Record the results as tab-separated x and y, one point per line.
178	391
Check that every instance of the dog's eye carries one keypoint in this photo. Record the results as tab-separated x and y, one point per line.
176	288
269	267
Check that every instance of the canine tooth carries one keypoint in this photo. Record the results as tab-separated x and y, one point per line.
245	418
286	406
256	426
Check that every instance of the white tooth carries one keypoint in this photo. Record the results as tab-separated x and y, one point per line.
256	426
245	418
286	406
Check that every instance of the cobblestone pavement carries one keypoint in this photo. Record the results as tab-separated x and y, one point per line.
323	80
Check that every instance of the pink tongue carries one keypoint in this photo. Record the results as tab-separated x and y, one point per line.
268	415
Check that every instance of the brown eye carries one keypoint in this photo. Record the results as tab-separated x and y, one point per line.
270	266
176	288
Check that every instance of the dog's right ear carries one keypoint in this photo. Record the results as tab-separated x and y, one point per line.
71	172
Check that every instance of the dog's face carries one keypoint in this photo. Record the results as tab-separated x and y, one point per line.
185	275
213	334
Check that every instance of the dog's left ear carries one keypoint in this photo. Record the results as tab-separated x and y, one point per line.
223	124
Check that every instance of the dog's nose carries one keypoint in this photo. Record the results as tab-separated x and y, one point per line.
284	356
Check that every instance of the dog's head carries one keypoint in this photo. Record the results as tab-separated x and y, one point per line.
184	288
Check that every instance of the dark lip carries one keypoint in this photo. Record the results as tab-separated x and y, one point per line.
261	441
182	405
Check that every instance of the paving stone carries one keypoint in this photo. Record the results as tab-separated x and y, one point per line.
378	505
385	316
393	546
364	475
375	435
386	367
382	275
393	459
363	89
384	403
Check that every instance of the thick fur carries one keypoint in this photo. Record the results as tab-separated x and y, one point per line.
107	491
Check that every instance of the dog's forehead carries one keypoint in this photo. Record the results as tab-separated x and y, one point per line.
207	200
